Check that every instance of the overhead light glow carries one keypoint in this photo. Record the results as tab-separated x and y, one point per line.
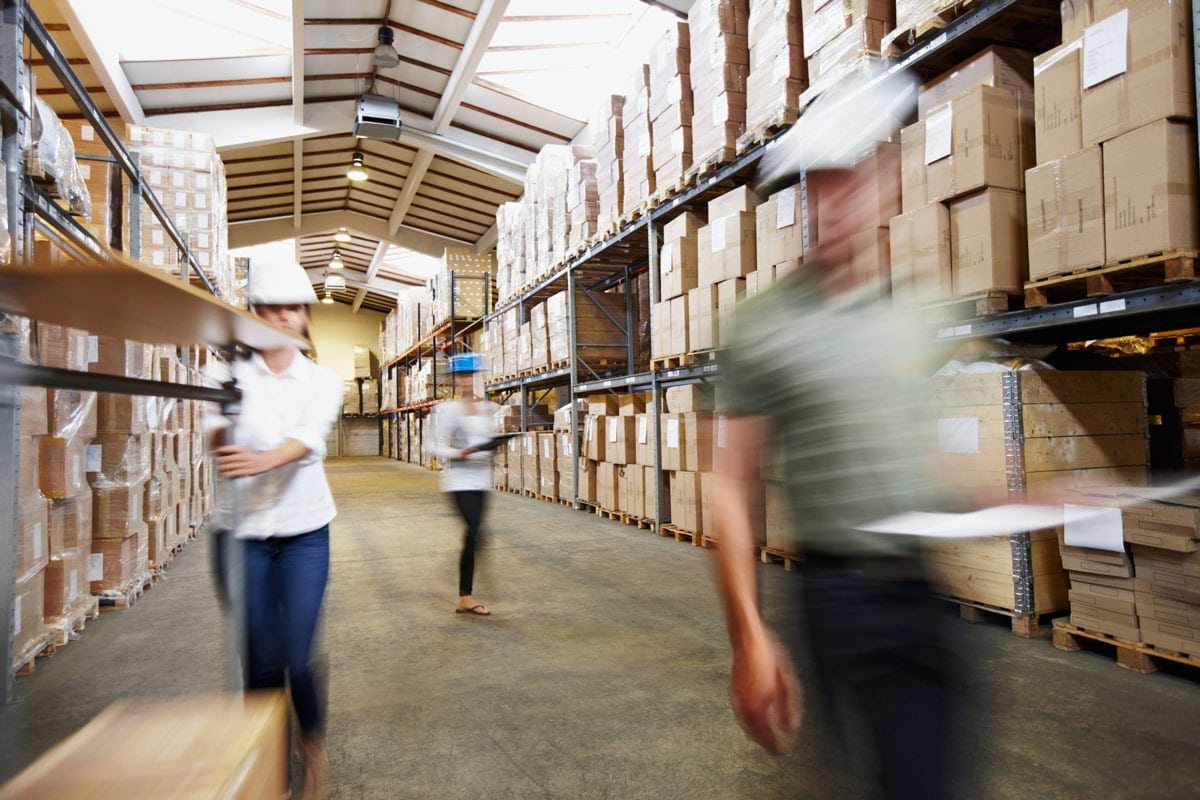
336	262
342	236
327	298
335	281
357	171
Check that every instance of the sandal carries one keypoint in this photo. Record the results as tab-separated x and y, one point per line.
478	609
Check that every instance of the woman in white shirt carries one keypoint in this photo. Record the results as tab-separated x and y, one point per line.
461	428
275	452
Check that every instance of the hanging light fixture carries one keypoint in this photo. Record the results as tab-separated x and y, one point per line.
327	298
335	281
336	262
386	56
357	171
342	236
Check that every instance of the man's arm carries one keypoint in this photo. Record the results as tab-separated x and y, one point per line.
763	688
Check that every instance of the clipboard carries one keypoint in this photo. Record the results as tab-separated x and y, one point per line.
495	442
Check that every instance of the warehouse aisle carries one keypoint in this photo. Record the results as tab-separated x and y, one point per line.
602	673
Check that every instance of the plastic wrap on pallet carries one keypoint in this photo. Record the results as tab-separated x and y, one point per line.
117	459
122	357
123	413
778	71
29	633
70	523
119	565
51	154
31	405
117	510
72	413
855	49
33	533
61	466
637	154
21	329
64	348
66	586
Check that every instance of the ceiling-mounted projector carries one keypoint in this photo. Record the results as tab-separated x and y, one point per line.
378	117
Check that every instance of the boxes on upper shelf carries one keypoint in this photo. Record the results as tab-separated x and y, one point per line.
987	234
921	256
1058	97
1064	202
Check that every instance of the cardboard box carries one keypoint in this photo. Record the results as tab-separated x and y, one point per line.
1176	638
117	510
779	228
70	523
32	536
870	257
1121	626
66	585
594	437
60	466
117	564
123	413
728	293
643	427
606	486
587	481
742	199
1156	82
1099	597
1064	203
727	248
620	442
1058	97
921	256
690	398
227	745
686	493
996	66
679	266
66	413
1150	190
1172	525
1164	609
699	437
672	449
987	233
703	329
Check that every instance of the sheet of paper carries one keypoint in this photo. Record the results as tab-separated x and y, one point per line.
938	135
1093	526
1105	49
958	435
785	212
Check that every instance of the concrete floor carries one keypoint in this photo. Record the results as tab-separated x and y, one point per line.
602	673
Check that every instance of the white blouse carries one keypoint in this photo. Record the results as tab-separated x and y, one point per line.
302	403
454	430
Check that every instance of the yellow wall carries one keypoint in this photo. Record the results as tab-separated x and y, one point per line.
336	330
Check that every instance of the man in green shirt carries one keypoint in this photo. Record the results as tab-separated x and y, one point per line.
824	371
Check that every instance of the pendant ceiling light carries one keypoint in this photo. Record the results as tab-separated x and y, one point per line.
327	298
336	262
342	236
386	56
335	281
357	171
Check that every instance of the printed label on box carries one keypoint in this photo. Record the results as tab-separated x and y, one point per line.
87	133
1105	50
37	541
721	431
938	135
17	615
1093	526
785	213
664	258
73	582
643	430
612	429
85	171
717	229
96	567
718	113
673	434
93	349
958	435
548	448
92	458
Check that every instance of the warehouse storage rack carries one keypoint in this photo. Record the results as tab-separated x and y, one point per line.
30	210
1028	24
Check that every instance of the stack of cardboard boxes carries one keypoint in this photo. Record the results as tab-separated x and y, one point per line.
687	449
583	203
510	248
610	165
963	176
637	157
678	265
841	37
720	67
1116	144
464	284
671	106
778	71
726	254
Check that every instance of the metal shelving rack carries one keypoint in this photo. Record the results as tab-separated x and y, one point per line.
31	210
1027	24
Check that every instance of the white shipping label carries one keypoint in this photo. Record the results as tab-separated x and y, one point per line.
158	237
1105	49
958	435
158	258
719	113
200	200
37	541
77	468
612	428
675	91
548	448
717	231
93	349
81	350
96	567
530	448
73	583
156	177
85	171
665	258
673	434
785	212
202	222
939	131
643	430
568	445
17	615
87	133
93	457
1093	526
179	180
181	199
721	431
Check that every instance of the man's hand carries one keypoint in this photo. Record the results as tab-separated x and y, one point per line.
238	461
467	452
766	695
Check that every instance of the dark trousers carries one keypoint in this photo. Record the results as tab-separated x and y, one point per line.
470	506
881	654
285	585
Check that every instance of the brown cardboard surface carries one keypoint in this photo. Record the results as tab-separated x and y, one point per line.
1064	204
881	195
1158	81
1170	636
987	233
779	231
1003	67
1150	190
921	260
987	141
1058	96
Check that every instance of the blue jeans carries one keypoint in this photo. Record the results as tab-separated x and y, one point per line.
285	584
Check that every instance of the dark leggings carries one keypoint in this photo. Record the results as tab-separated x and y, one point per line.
470	506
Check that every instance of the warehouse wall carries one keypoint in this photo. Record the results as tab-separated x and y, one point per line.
336	330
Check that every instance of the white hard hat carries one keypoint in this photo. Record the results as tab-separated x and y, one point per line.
842	124
279	283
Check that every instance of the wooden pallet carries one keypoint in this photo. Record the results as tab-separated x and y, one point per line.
683	360
979	304
716	160
126	596
900	41
670	190
769	555
69	626
1133	656
42	645
680	534
1024	626
608	513
1156	269
765	131
641	523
